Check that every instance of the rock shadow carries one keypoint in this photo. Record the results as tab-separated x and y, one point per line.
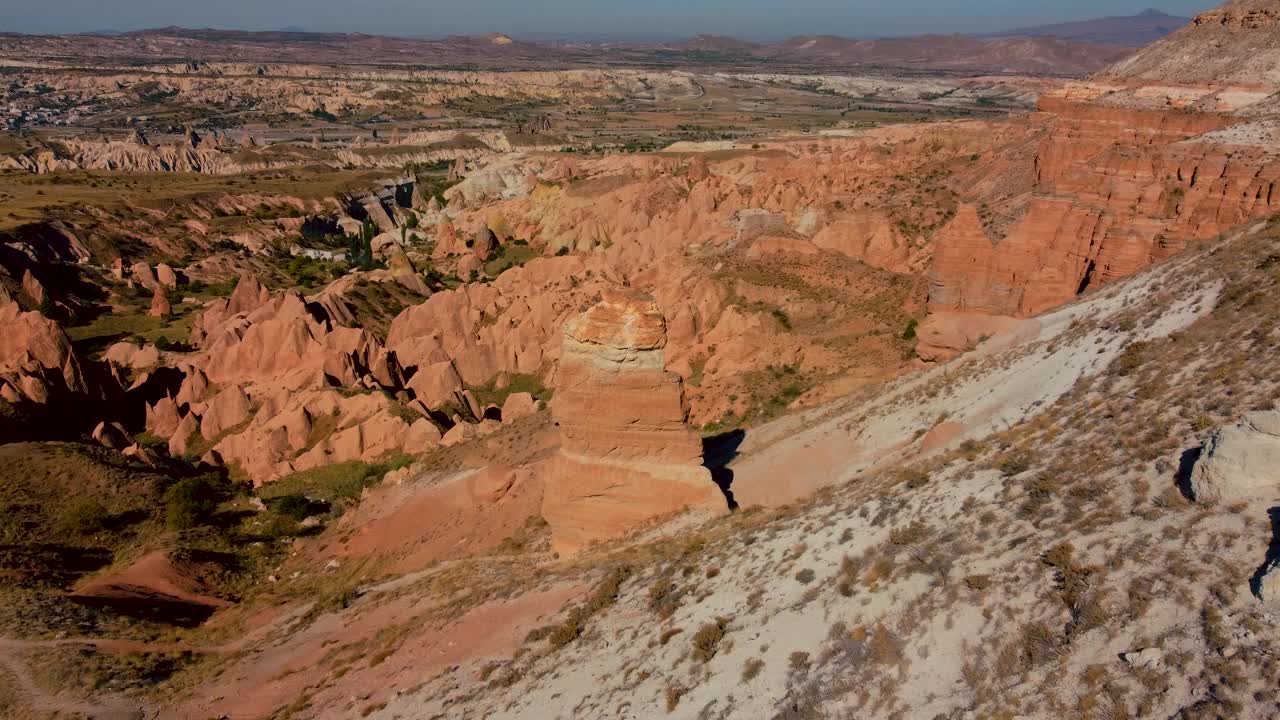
1272	558
49	564
1183	477
717	452
155	608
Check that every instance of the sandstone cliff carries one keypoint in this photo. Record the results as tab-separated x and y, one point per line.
1117	189
626	454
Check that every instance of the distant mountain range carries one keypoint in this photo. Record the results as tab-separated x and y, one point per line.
1070	49
1134	30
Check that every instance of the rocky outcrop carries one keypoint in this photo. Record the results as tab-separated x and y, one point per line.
34	351
227	409
160	306
56	392
1269	585
517	406
292	340
299	431
1237	44
112	436
249	295
1118	189
626	456
1240	461
166	276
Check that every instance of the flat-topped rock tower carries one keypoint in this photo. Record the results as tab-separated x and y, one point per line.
626	453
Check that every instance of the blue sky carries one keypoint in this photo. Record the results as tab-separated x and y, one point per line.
600	19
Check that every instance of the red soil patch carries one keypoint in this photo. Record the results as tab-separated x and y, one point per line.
420	523
259	684
156	586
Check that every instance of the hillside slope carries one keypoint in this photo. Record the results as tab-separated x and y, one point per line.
1235	44
1011	539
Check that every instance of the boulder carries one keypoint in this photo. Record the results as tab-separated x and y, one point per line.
146	456
467	400
1269	585
517	406
626	453
435	385
1149	658
459	433
166	276
142	275
121	353
1240	461
423	435
484	244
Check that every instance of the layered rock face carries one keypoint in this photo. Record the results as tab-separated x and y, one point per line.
626	453
1117	190
1100	217
1241	461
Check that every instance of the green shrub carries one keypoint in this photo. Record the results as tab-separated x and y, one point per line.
910	332
331	483
85	517
293	506
191	502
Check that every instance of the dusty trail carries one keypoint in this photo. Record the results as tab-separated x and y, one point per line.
13	661
38	700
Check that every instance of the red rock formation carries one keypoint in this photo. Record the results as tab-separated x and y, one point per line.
160	306
36	358
57	392
1118	189
249	295
626	454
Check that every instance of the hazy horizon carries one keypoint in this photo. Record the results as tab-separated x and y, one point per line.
573	19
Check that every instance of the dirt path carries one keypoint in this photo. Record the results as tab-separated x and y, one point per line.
35	699
38	700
